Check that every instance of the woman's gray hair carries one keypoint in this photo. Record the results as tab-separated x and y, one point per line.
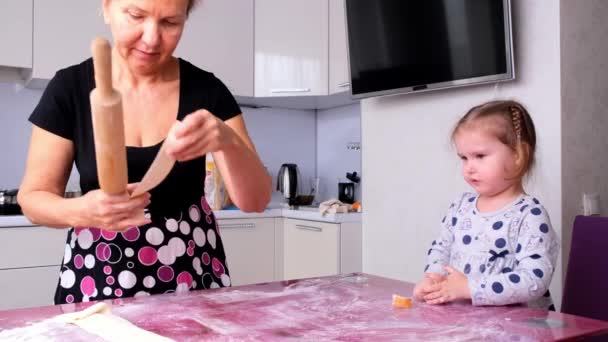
191	5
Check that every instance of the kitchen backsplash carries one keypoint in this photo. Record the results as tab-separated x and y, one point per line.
283	136
338	148
15	129
316	141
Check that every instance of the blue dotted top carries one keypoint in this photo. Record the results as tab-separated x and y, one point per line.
513	250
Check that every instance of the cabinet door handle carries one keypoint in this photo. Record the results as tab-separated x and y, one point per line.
314	229
237	226
344	85
292	90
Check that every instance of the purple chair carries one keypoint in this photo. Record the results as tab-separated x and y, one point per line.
585	290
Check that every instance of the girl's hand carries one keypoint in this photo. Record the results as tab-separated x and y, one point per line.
199	133
426	285
112	212
454	287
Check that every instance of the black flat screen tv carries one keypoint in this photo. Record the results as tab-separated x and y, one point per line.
404	46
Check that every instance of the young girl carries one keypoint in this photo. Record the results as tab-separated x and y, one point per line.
496	246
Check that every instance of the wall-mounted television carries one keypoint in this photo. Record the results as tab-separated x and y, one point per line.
404	46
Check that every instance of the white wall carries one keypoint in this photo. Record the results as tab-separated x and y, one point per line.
411	172
584	29
336	128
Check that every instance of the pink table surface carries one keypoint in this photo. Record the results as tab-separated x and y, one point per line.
355	307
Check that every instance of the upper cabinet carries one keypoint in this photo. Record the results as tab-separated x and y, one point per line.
291	47
339	76
266	51
16	33
63	31
218	37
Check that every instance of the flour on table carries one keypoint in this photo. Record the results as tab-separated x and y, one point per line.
99	320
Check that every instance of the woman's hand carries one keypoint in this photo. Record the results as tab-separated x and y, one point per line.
455	286
425	286
199	133
113	212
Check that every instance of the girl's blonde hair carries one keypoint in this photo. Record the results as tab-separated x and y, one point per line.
510	123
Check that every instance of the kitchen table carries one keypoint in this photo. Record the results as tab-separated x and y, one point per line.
354	307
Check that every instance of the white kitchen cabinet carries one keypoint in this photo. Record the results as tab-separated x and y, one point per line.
311	249
28	287
16	33
291	48
339	74
250	249
218	37
315	249
29	270
351	246
31	246
63	31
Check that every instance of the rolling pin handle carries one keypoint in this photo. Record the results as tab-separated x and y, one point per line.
102	63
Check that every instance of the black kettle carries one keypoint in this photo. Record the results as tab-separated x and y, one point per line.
8	202
289	182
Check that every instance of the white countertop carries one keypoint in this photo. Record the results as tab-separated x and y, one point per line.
311	214
15	221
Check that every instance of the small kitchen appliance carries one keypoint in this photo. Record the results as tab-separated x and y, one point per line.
289	182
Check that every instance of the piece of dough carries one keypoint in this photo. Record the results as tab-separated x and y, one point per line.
402	302
99	320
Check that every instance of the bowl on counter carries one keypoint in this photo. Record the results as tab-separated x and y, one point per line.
304	199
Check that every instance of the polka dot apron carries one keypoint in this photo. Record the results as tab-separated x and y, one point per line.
174	255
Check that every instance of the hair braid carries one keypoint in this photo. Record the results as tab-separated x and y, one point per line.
517	121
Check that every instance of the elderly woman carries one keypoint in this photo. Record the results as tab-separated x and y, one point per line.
113	249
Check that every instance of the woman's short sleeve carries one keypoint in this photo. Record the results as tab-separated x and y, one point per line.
53	112
225	104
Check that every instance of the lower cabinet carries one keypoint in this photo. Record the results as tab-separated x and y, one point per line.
250	249
29	271
28	287
272	249
310	249
257	251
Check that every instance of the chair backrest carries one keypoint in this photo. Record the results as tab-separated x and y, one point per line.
586	287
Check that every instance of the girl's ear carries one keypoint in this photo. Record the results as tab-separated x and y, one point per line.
521	158
519	155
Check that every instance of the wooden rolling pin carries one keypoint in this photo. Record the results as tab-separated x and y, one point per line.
108	124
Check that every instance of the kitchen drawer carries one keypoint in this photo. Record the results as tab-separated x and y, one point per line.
31	246
28	287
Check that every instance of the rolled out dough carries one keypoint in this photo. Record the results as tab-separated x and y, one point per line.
99	320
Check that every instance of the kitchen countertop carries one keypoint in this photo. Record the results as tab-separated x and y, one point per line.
304	213
355	307
15	221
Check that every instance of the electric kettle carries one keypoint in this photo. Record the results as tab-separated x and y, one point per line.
8	202
289	182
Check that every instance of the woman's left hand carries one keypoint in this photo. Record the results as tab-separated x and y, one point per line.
199	133
454	287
